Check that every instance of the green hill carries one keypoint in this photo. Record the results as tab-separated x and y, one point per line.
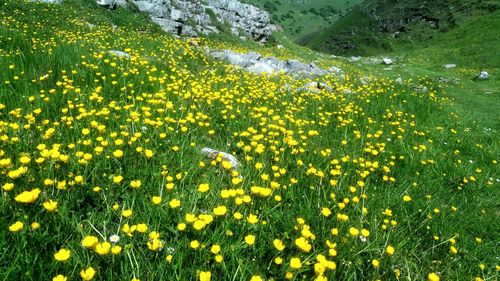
303	18
380	26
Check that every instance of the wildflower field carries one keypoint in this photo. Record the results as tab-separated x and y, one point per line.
102	175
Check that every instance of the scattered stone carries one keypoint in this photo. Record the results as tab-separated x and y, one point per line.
421	89
280	47
449	65
387	61
399	80
315	87
119	54
212	154
48	1
111	4
348	91
354	59
483	75
90	25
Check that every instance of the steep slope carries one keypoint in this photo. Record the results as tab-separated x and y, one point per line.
381	26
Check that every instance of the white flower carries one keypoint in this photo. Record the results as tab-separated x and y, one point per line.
114	238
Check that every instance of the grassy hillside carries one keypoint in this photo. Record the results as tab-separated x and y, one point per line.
299	18
380	26
103	178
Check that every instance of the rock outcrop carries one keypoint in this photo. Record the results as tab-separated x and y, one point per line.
195	17
255	63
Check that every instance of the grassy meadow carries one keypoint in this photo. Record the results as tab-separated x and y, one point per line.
102	175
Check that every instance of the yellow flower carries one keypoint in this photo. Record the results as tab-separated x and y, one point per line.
252	219
62	255
295	263
50	205
87	274
8	186
127	213
118	153
433	277
24	160
220	210
155	245
199	224
375	263
226	165
453	250
204	187
15	227
205	275
35	225
135	184
353	231
215	249
156	200
28	197
303	244
365	232
250	239
149	153
236	181
174	203
335	231
256	278
326	212
154	235
278	244
79	179
117	179
389	250
406	198
141	227
60	278
102	248
194	244
89	241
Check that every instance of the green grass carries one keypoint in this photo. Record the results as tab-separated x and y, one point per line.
68	107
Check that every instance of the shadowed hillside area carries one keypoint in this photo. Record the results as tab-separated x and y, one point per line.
376	26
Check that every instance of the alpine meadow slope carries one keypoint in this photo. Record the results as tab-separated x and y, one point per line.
127	153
